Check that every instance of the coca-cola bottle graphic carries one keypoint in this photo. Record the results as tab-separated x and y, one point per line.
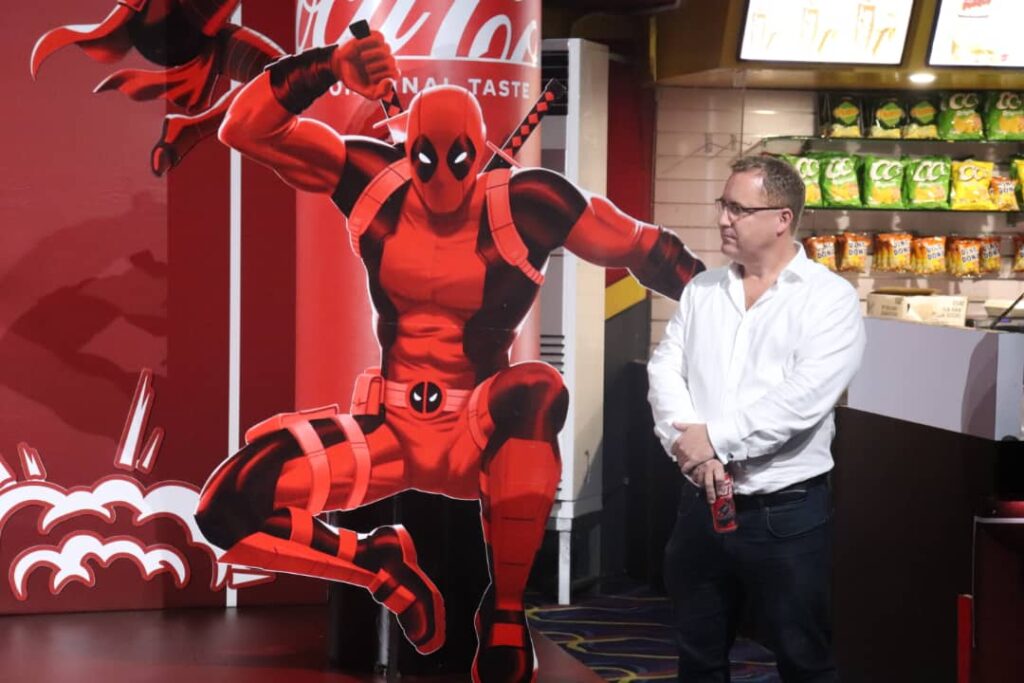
492	49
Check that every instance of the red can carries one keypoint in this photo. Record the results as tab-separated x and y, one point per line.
723	510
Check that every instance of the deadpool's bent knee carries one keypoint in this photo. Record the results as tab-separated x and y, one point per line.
529	401
239	496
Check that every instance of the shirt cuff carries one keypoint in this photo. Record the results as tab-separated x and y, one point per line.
667	434
725	439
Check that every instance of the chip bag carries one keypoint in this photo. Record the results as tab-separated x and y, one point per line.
922	120
971	179
892	251
926	183
842	116
839	185
852	252
822	250
959	118
1004	116
928	255
809	168
1018	253
963	257
1003	193
990	258
883	182
888	117
1017	173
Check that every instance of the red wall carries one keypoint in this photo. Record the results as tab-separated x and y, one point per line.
107	270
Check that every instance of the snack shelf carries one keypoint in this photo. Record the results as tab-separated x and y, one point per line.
932	277
887	141
998	151
910	210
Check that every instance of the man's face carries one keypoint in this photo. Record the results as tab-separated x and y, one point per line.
748	225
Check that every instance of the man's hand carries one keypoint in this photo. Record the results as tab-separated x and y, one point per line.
710	475
366	66
692	447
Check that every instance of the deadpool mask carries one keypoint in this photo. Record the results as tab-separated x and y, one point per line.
445	144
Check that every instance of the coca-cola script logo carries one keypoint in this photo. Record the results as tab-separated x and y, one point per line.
474	30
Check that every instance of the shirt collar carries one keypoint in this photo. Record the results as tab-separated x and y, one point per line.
798	268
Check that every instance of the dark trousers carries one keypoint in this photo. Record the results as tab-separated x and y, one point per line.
777	565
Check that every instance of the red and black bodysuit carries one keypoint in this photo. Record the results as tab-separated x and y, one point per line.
454	259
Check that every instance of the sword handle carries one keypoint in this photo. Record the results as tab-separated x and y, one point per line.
553	90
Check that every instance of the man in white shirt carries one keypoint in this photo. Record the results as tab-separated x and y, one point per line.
745	382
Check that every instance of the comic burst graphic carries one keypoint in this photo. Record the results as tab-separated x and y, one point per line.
78	556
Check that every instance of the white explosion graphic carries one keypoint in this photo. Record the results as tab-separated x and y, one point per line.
74	558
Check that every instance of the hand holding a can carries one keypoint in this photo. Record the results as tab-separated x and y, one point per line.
711	476
717	485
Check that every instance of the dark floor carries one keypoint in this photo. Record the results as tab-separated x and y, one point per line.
251	645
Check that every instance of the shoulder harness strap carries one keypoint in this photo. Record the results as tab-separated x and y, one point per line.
503	230
377	192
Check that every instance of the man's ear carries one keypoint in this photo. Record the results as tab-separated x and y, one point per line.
785	222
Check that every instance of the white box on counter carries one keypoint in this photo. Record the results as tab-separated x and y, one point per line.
918	306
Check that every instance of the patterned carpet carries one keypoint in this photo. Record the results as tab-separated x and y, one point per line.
625	637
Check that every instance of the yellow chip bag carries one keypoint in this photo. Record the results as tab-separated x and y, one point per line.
991	261
852	252
971	179
963	257
1003	193
822	250
928	255
1018	253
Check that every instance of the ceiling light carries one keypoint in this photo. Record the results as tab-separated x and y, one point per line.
922	78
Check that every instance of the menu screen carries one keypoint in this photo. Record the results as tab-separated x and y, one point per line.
978	33
829	31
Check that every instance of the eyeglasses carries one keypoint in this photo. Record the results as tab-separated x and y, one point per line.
738	211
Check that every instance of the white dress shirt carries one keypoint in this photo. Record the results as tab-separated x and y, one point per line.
764	380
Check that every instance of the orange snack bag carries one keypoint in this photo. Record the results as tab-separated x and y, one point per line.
852	252
991	261
1018	253
1003	192
928	255
963	257
892	251
822	250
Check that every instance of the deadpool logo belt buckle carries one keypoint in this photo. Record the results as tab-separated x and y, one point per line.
426	398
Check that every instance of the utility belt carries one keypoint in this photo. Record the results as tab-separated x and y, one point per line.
425	397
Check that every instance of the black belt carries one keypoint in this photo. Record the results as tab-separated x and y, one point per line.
790	494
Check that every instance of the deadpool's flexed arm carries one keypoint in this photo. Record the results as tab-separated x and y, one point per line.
265	121
551	211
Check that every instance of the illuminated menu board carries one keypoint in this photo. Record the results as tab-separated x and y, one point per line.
978	33
826	31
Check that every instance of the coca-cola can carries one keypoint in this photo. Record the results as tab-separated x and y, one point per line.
723	510
491	48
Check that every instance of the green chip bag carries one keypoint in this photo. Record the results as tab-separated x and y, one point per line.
842	117
926	182
922	119
839	185
883	182
959	118
1017	173
1004	116
809	168
889	116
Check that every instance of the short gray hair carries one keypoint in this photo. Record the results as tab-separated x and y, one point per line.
781	184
